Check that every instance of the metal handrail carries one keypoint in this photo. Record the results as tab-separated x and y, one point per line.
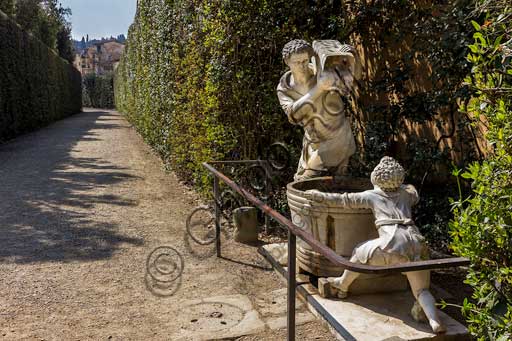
328	252
294	231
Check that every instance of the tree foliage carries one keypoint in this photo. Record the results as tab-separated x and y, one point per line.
482	228
45	19
37	86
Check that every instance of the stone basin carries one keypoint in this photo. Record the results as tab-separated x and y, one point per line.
338	227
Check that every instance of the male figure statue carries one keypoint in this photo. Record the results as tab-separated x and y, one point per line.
316	103
399	239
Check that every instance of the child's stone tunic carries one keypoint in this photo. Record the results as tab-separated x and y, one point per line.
392	210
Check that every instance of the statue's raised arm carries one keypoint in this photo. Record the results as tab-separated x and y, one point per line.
312	95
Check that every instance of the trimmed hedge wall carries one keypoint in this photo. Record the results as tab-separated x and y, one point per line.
36	85
98	91
198	79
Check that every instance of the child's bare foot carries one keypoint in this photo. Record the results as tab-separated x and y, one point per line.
341	294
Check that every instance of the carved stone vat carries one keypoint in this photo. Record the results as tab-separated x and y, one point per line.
338	227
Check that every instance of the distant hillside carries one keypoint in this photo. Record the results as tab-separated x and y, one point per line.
81	45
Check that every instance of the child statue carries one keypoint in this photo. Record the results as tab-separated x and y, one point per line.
399	240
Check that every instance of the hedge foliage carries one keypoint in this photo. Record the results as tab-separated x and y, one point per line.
198	78
36	85
482	228
98	91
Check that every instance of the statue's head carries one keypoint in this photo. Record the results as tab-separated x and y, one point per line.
388	175
297	54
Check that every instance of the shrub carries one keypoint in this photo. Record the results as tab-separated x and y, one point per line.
482	225
98	91
7	6
36	86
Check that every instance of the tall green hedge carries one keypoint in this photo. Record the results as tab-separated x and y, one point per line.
36	85
198	78
98	91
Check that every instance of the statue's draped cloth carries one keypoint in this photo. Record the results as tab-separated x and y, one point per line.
328	142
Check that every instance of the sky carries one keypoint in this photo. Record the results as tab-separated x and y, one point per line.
100	18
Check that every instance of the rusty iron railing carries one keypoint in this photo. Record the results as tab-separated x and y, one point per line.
295	231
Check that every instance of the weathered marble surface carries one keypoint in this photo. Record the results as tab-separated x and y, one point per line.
338	227
380	317
399	240
313	95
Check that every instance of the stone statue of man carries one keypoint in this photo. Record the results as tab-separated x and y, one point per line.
312	96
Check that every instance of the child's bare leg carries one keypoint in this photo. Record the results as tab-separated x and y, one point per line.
343	283
420	282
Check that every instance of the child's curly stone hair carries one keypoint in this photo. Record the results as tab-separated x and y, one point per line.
388	174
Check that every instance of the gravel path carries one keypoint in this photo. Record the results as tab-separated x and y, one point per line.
83	202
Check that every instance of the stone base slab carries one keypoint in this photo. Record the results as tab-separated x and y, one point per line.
378	317
375	317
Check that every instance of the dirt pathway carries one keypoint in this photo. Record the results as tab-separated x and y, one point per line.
83	203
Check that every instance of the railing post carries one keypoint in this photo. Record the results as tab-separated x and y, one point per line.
267	196
292	244
216	198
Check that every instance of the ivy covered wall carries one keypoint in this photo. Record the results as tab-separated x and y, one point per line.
408	103
36	85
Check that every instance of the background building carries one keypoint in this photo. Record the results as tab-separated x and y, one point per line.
99	56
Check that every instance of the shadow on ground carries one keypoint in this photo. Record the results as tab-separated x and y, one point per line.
48	194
